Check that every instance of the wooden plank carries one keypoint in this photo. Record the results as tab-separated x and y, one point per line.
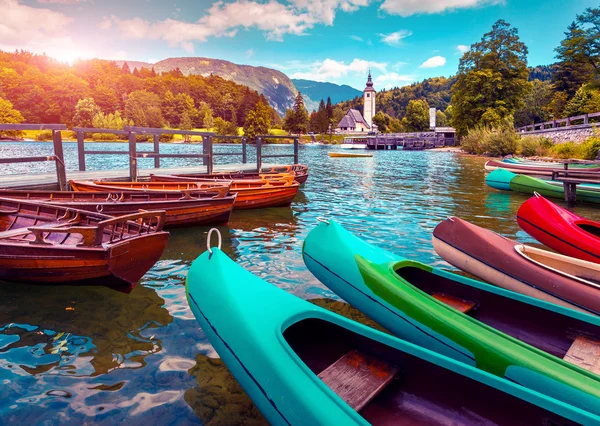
459	304
33	127
357	378
585	353
160	131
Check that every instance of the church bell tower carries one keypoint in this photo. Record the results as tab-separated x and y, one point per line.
369	101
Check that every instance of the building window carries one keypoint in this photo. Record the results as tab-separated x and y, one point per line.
368	95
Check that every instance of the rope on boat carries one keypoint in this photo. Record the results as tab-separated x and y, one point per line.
537	195
219	241
323	220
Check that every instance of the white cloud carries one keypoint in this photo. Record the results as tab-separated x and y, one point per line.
222	19
105	23
434	62
462	48
393	79
412	7
398	65
356	38
61	1
35	29
249	53
332	70
395	38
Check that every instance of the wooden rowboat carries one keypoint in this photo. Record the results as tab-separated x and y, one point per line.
251	193
560	229
216	188
304	365
348	154
300	172
43	243
559	279
189	209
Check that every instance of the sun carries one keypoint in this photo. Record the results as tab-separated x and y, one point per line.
68	56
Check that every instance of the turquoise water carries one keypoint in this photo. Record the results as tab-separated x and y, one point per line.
70	355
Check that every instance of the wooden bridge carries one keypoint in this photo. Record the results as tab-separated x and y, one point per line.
408	141
59	179
562	123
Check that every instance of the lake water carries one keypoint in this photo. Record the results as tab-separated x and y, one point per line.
73	355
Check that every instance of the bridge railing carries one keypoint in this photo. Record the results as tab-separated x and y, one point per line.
260	156
58	157
560	123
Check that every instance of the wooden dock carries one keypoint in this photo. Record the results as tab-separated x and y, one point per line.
414	141
205	159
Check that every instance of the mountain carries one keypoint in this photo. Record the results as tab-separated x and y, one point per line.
275	85
542	72
316	91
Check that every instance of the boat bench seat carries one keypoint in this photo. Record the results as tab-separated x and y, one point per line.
457	303
357	378
20	232
585	353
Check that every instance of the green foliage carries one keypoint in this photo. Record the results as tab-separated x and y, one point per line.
44	135
319	120
564	150
417	116
485	140
585	101
536	104
85	110
492	79
589	149
258	121
440	119
227	128
144	109
296	119
530	146
542	73
475	141
9	115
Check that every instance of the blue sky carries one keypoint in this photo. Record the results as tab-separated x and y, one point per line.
402	41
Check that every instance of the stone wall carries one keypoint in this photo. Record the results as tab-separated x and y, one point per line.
576	133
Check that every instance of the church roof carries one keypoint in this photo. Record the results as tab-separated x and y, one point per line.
369	87
352	117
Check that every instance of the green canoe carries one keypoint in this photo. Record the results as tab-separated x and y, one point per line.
529	185
290	355
393	291
500	179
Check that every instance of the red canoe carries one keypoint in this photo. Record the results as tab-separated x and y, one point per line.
560	229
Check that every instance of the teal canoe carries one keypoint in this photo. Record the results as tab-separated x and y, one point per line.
304	365
530	185
500	179
390	290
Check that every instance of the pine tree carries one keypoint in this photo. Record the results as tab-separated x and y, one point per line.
125	68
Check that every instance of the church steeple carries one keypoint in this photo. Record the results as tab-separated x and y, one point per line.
369	80
369	101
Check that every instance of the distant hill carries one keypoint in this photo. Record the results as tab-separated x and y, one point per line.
275	85
316	91
542	72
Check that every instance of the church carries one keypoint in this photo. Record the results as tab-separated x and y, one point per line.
353	121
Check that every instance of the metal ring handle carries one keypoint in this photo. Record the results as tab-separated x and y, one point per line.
99	208
219	241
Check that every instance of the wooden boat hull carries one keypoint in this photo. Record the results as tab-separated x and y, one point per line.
500	179
348	155
214	188
560	229
196	210
530	185
251	194
493	258
376	282
528	169
281	350
45	243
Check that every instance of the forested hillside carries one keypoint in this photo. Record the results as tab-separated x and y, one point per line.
99	92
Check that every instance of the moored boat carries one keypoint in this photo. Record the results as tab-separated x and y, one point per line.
530	169
560	229
43	243
559	279
190	209
500	179
251	193
349	155
218	188
552	189
302	364
299	171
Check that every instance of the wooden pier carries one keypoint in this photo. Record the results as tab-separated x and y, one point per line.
408	141
59	179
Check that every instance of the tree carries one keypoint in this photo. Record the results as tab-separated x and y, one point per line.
185	123
85	110
205	116
329	109
440	119
492	79
536	105
125	68
9	115
258	121
223	127
417	116
143	108
579	53
585	101
296	119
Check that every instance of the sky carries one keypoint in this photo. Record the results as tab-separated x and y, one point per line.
338	41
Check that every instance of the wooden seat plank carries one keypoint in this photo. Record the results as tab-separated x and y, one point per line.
357	378
585	353
457	303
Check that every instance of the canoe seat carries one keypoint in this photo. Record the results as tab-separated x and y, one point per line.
357	378
457	303
585	353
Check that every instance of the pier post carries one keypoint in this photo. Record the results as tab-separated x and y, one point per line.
586	119
259	154
132	157
570	193
295	150
208	146
61	174
244	157
81	150
156	140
